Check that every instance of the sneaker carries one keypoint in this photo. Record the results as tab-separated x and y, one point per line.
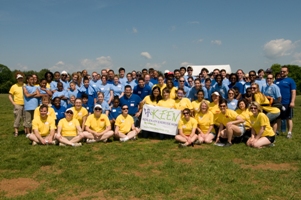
16	135
197	142
89	141
134	138
181	145
27	135
228	144
271	145
62	144
54	142
34	143
105	140
77	144
289	135
121	139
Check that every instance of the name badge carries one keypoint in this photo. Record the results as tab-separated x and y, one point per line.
114	110
56	113
79	113
184	126
46	123
132	104
139	92
70	123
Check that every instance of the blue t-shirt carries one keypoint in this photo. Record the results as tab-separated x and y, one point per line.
132	84
222	89
272	91
207	93
115	112
192	95
30	103
65	84
60	93
132	103
89	108
92	94
105	106
154	80
41	92
74	93
232	105
226	81
237	85
286	85
53	85
106	89
117	89
95	84
246	86
59	112
142	92
123	80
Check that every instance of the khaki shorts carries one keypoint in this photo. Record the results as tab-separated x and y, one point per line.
28	118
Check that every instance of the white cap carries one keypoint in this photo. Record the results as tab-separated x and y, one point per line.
19	76
69	109
166	71
64	72
97	106
216	93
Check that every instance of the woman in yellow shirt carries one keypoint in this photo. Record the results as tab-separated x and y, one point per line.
245	114
182	102
69	131
124	126
172	89
205	120
231	124
16	98
214	108
187	127
160	84
79	112
166	102
262	132
153	98
197	103
271	112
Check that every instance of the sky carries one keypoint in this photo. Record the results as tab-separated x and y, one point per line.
74	35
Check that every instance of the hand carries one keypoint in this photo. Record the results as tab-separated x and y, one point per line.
43	141
137	114
292	104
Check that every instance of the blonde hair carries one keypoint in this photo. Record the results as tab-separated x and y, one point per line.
257	105
204	102
261	96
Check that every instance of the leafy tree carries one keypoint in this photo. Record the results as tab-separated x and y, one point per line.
5	74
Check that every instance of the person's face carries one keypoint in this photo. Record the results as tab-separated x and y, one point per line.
233	79
69	114
254	109
240	74
204	73
100	97
72	86
94	77
189	71
223	74
116	80
284	72
216	72
134	75
129	77
57	102
160	81
252	76
177	74
182	71
72	99
43	112
30	81
20	80
166	95
111	75
64	77
169	83
104	80
57	76
261	74
247	79
253	89
48	77
231	94
180	94
45	101
156	74
156	92
249	92
60	86
208	84
85	100
186	114
200	96
74	78
125	109
181	81
121	73
242	105
215	98
85	73
128	91
197	84
223	107
270	79
97	111
116	103
35	79
104	72
218	79
204	108
141	83
190	82
86	83
43	84
144	72
147	78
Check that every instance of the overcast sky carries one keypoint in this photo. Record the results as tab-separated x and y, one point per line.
164	34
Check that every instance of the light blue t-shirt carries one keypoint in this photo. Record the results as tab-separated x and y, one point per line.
272	91
30	103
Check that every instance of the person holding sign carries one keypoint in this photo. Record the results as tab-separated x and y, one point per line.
166	102
187	127
124	126
181	102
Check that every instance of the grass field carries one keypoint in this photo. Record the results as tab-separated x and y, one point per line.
147	169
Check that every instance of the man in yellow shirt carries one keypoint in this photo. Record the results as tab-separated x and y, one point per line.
43	128
98	126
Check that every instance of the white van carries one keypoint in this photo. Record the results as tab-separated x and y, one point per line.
197	68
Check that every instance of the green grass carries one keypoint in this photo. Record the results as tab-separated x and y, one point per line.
149	169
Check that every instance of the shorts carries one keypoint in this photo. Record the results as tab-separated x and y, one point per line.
272	117
69	137
287	113
28	118
271	138
242	129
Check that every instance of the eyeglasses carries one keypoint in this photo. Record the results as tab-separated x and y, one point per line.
253	88
253	108
64	74
185	113
97	109
230	93
125	108
69	112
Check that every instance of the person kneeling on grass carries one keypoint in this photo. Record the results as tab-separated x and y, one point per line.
98	126
124	126
43	128
69	131
187	127
262	132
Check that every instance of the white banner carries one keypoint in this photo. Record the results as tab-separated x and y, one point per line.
160	120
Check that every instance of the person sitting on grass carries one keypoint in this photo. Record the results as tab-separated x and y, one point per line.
45	101
262	132
124	126
43	127
97	126
205	120
187	127
69	131
231	124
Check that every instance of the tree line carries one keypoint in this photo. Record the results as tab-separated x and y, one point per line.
7	77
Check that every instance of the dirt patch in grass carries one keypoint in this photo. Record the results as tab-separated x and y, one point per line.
271	166
50	169
83	195
17	187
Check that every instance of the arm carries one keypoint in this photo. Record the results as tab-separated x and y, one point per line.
237	121
111	97
37	134
25	92
262	128
94	133
37	93
49	137
121	95
84	121
292	104
210	129
10	97
79	129
221	127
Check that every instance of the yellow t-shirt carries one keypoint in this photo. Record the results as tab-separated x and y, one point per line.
48	85
229	116
79	114
268	109
43	125
183	103
50	113
68	128
17	92
173	93
187	126
169	103
245	115
215	110
161	87
124	123
196	105
148	101
98	124
205	121
259	121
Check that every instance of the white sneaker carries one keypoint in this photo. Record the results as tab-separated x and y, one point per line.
62	144
289	135
89	141
105	140
77	144
182	145
197	142
34	143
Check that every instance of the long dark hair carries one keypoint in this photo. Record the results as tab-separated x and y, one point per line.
153	98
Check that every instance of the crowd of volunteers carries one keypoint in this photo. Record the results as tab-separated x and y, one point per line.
68	109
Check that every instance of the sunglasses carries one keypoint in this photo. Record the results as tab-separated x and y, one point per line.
186	113
253	88
125	108
64	74
253	108
97	109
69	112
181	81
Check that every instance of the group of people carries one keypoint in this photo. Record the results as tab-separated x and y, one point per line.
215	106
